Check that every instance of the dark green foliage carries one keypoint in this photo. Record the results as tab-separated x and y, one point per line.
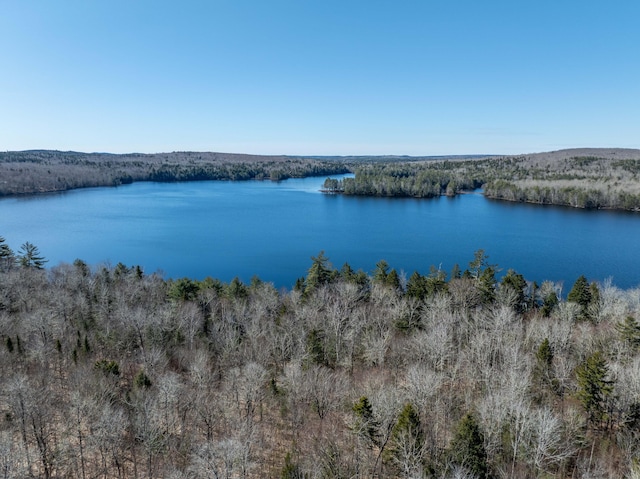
291	470
467	447
121	270
549	302
516	283
365	426
141	380
319	273
357	277
7	258
544	354
108	367
580	293
585	295
29	256
315	346
478	264
406	442
594	388
416	286
236	289
381	272
543	371
183	289
393	280
423	287
487	285
82	267
629	330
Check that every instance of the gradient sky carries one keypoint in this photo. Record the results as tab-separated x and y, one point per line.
321	77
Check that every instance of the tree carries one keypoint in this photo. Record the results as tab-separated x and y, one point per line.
467	447
29	256
319	273
516	283
629	330
381	272
7	258
594	389
366	425
406	444
585	295
291	470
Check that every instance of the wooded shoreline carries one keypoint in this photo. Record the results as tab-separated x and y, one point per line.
581	178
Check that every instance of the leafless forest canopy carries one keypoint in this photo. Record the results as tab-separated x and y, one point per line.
115	373
581	178
40	171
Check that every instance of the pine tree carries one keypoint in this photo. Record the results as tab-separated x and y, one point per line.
319	273
594	389
629	330
587	296
30	256
516	283
467	447
381	272
406	442
7	258
366	425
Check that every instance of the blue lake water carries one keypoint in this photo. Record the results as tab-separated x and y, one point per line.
228	229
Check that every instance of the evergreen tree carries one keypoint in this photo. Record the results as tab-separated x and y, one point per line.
366	425
487	285
381	272
516	283
393	280
581	295
406	442
629	330
544	355
7	258
543	371
319	273
478	264
467	447
436	282
549	302
594	389
30	256
416	286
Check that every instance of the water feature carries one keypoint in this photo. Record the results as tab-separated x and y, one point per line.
228	229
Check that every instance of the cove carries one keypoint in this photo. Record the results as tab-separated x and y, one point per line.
228	229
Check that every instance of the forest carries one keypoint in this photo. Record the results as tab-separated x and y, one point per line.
111	372
586	178
44	171
594	178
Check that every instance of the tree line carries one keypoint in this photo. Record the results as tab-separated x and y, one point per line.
556	179
111	372
38	171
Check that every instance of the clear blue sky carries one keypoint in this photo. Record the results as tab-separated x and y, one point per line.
319	77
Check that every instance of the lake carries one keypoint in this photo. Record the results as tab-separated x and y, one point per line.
227	229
